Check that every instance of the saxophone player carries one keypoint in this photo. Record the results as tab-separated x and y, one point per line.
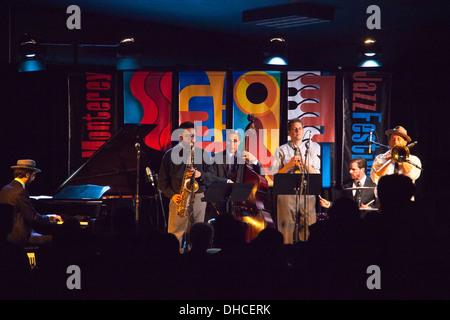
179	164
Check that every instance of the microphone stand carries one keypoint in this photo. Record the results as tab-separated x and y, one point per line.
162	207
298	195
374	142
306	186
137	200
158	197
302	188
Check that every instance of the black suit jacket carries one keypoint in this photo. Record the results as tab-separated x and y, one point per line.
170	174
25	215
366	195
221	167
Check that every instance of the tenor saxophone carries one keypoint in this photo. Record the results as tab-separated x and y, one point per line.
188	188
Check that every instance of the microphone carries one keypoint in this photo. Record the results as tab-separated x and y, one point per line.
370	142
308	144
138	146
150	175
412	144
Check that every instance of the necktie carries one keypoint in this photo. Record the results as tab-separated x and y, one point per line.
396	168
230	165
358	194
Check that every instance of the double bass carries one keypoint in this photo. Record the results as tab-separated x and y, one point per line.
252	211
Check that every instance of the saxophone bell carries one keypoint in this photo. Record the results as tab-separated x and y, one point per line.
191	185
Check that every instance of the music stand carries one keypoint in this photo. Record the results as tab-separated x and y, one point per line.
288	183
228	192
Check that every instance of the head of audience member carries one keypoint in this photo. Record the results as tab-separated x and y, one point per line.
269	237
395	191
229	233
201	236
344	210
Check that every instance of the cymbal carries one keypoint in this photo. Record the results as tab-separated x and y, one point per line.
359	188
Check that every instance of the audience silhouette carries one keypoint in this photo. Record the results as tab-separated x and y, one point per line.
14	263
220	264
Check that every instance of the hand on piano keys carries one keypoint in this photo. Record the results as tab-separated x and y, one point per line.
55	218
59	220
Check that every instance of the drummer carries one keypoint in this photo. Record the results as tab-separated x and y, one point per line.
361	189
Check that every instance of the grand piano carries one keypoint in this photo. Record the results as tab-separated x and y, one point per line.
107	184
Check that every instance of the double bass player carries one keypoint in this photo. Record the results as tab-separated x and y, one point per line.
244	167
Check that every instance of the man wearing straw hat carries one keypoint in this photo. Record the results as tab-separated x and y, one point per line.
383	164
26	217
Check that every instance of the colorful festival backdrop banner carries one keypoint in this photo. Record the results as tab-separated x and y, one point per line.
148	100
93	113
202	100
311	98
258	93
366	109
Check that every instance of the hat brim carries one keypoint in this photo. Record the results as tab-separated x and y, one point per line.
391	131
27	168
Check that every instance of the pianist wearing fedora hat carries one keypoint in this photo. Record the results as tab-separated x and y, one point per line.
26	218
383	164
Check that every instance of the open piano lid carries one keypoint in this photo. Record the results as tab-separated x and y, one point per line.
114	164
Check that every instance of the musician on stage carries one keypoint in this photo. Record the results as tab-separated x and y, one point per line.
287	160
365	198
383	164
26	218
171	177
226	162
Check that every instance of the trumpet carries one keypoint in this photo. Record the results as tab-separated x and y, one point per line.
398	154
297	166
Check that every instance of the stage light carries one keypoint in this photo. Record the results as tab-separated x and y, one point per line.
276	51
128	54
31	65
29	55
277	61
370	51
370	63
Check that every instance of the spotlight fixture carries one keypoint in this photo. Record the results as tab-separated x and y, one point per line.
276	52
128	54
127	47
29	55
371	47
289	15
370	51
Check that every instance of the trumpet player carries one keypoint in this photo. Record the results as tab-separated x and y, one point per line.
290	157
385	164
171	178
